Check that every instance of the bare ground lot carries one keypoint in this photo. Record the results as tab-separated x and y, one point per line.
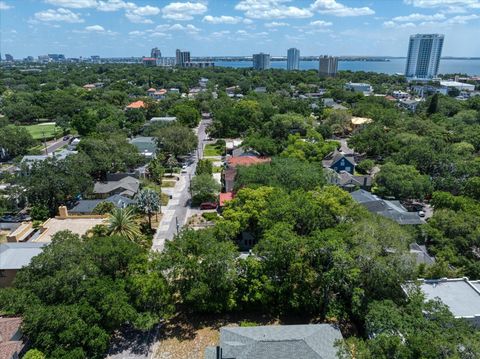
187	336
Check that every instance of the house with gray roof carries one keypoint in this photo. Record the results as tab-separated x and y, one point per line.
393	210
310	341
348	181
461	295
86	206
146	146
14	256
127	186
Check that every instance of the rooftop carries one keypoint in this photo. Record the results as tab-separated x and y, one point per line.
129	184
459	294
78	225
137	104
10	337
310	341
17	255
225	197
246	160
388	209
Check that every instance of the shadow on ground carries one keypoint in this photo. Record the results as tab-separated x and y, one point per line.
130	342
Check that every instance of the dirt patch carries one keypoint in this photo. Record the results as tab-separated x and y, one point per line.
187	336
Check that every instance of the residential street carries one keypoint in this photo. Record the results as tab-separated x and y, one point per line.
175	213
52	146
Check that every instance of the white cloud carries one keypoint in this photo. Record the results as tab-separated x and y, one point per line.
95	28
394	25
4	6
332	7
276	24
138	14
191	29
271	9
136	33
218	34
73	4
115	5
475	4
60	14
320	23
182	11
137	19
223	19
462	19
419	17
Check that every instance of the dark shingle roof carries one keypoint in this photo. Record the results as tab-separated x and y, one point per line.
388	209
313	341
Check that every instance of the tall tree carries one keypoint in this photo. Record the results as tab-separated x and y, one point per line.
148	201
121	222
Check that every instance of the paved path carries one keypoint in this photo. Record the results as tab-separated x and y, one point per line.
55	145
175	213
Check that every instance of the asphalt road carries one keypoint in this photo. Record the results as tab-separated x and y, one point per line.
55	145
175	213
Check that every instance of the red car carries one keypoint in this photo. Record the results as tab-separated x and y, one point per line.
208	205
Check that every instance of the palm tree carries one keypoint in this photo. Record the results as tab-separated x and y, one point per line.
122	222
148	201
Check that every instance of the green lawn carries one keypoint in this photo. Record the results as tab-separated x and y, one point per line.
213	150
48	129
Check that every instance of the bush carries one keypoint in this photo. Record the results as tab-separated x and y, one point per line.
39	213
210	216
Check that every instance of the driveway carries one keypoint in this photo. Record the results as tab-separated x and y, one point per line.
175	213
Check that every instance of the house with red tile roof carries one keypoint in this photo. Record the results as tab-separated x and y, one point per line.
228	175
235	161
224	198
136	105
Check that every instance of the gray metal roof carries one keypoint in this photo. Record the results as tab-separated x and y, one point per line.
310	341
18	255
459	294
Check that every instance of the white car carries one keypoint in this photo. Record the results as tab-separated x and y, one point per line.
421	214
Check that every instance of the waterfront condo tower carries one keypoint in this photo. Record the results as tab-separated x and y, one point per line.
293	59
423	58
261	61
327	65
182	58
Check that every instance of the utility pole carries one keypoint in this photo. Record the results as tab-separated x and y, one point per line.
176	223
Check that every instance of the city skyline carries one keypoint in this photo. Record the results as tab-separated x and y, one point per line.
118	28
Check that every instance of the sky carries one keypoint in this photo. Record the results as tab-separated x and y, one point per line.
116	28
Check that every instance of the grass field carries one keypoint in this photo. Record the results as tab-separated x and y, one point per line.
213	150
48	128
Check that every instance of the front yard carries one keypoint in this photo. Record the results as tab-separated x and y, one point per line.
47	129
213	150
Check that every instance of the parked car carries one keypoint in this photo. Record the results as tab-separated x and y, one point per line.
66	138
208	205
421	213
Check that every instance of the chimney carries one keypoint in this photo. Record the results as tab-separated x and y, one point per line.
62	212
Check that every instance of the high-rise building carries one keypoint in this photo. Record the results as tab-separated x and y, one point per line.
8	57
423	58
57	57
182	57
293	59
261	61
156	53
327	65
